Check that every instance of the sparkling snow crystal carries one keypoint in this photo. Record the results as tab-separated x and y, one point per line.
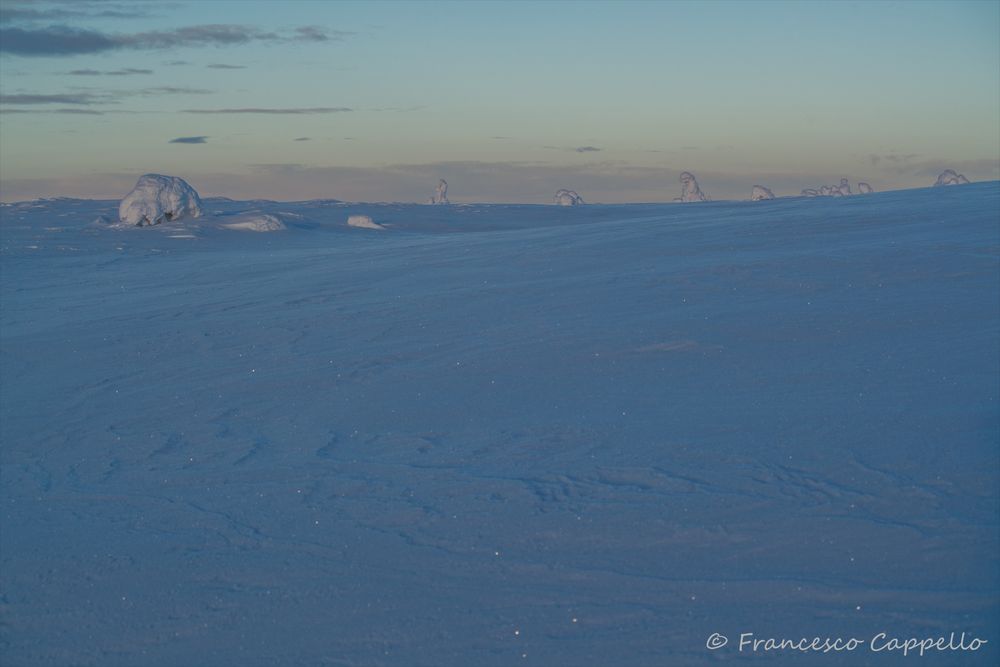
156	199
760	193
950	177
691	190
568	198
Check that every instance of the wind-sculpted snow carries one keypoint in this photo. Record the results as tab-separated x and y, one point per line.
690	190
255	222
950	177
565	197
440	193
156	199
496	435
364	221
760	193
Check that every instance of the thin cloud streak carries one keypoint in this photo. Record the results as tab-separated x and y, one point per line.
256	110
189	140
63	40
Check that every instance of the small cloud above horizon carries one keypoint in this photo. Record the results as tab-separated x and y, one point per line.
189	140
301	139
224	66
587	149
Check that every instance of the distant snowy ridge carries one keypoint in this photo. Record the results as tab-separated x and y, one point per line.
842	190
950	177
566	197
156	199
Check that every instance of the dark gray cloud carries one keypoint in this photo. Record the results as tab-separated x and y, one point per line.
302	110
67	98
587	149
225	66
107	11
301	139
189	140
128	71
175	63
63	40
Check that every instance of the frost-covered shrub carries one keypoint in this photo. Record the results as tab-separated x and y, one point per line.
950	177
440	193
691	190
567	198
156	199
760	193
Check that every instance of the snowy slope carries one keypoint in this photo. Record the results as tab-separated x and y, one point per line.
494	435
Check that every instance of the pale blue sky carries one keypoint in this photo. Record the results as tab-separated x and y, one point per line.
508	101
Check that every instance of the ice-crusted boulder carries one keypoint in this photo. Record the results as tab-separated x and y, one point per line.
255	222
864	189
950	177
760	193
364	221
691	190
568	198
156	199
440	193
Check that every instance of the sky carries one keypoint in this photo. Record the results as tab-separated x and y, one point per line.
508	101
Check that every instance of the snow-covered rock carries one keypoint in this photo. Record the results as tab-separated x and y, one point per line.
255	222
845	187
156	199
440	193
864	189
760	193
567	198
950	177
810	192
691	190
364	221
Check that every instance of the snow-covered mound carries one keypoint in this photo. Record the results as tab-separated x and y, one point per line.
364	221
864	188
156	198
691	190
810	192
255	222
440	193
950	177
845	187
761	193
566	197
842	190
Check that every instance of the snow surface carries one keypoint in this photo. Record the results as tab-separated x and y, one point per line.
691	191
950	177
500	435
566	197
760	193
156	199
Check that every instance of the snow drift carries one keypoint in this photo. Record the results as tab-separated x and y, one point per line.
566	197
156	198
761	193
255	222
364	221
691	190
950	177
